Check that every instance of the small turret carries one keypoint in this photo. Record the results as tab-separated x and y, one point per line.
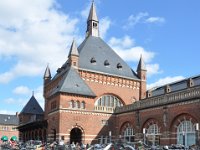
73	55
47	75
141	67
141	71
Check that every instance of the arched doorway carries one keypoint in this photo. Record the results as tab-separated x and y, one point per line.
76	135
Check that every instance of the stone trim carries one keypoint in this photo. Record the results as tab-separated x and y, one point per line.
166	99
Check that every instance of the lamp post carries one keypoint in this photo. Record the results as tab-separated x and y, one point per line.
144	134
120	140
110	134
197	134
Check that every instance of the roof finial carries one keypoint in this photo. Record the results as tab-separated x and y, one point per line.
32	93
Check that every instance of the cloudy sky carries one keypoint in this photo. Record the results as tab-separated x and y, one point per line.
34	33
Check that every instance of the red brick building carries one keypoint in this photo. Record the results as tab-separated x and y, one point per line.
32	125
96	97
169	115
8	125
81	98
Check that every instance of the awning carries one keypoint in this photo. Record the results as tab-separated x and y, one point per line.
13	138
4	138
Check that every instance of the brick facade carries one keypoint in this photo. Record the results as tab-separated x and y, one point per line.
116	105
8	125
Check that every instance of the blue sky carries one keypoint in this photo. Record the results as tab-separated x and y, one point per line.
36	33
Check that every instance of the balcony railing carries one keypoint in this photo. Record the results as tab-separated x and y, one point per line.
169	98
104	109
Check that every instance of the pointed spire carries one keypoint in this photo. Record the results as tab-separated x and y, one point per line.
92	22
92	15
73	49
141	64
47	74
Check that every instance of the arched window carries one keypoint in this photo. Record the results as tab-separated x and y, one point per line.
71	104
108	101
128	134
78	104
186	133
153	129
83	105
153	135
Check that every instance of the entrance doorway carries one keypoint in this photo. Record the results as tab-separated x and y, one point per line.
75	136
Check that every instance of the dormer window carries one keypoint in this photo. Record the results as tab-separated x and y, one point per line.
119	66
167	89
58	70
93	60
106	63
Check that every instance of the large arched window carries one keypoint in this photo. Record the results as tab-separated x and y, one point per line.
153	129
153	134
128	134
186	133
108	101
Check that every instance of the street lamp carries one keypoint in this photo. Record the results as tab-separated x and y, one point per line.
197	133
110	134
144	134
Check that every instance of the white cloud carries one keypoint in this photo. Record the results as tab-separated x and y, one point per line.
34	33
125	48
104	25
164	81
7	112
15	101
124	42
134	53
135	19
155	20
20	102
142	17
153	69
10	101
38	93
24	90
